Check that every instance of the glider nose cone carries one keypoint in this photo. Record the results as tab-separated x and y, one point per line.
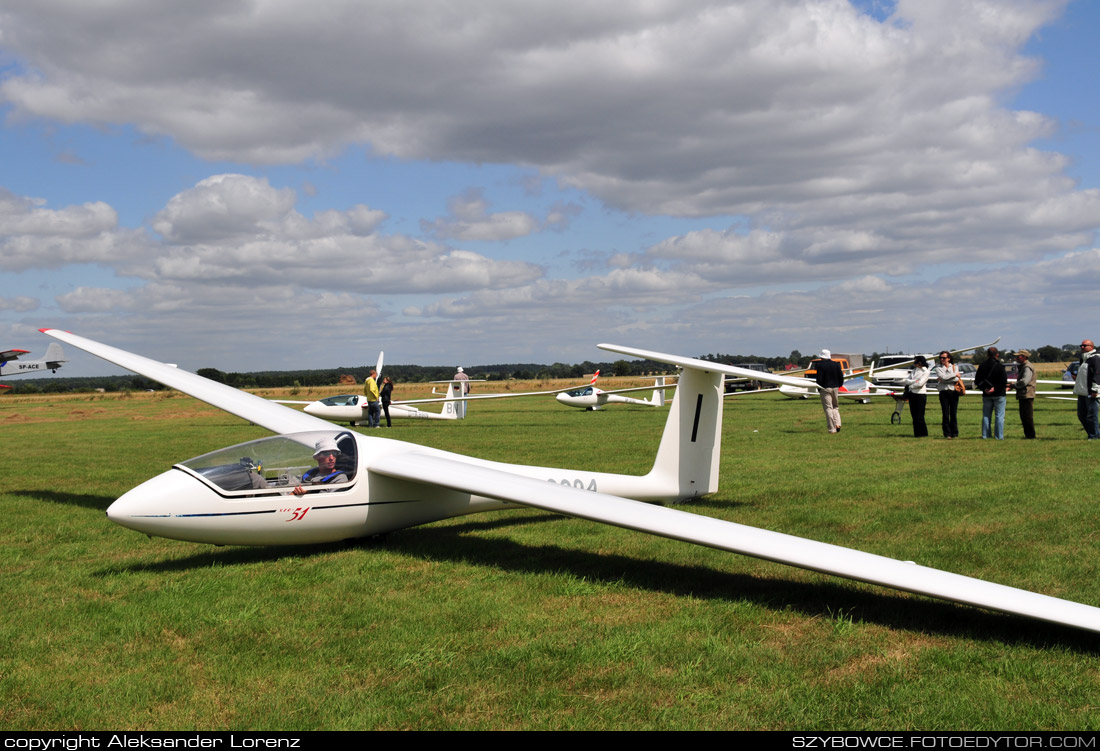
149	507
316	409
563	398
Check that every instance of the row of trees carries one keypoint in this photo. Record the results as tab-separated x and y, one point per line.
423	373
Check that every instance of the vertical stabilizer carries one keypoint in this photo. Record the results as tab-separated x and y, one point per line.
688	457
453	408
658	398
691	445
54	356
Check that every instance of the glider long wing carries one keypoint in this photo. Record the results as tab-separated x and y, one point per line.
263	412
714	367
737	538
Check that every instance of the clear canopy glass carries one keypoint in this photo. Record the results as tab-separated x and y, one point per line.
271	463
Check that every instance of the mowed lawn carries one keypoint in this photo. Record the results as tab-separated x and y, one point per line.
527	620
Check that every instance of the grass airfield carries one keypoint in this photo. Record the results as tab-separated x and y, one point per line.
527	620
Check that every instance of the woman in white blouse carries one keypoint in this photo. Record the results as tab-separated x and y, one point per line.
947	376
918	394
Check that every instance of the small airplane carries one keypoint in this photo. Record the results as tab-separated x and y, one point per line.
10	364
851	390
592	398
253	493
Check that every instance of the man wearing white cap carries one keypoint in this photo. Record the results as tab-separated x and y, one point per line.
325	473
829	379
461	376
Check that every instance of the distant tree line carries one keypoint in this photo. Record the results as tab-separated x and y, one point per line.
423	373
331	376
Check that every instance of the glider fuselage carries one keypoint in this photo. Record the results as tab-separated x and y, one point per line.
214	498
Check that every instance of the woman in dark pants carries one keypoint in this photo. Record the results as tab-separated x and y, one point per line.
386	395
918	395
947	376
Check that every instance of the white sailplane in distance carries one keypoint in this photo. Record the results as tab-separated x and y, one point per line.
592	398
352	408
254	494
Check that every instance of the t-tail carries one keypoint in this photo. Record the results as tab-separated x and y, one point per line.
453	407
689	455
658	398
691	444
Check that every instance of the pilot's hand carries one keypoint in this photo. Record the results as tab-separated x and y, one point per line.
300	490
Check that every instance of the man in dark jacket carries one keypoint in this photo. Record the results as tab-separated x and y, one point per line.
1087	389
829	378
993	382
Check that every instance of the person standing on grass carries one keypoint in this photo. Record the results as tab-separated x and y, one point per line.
460	375
829	378
947	376
370	390
917	383
993	382
1025	392
1087	389
387	397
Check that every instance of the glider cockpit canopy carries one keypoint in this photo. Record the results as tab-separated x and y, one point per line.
270	463
343	400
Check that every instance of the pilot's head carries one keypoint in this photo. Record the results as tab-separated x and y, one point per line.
326	454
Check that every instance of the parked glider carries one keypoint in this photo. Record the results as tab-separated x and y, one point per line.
591	397
244	495
352	408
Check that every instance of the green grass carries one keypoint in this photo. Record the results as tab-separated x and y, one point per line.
526	620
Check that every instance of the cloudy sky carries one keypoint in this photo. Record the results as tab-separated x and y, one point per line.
253	184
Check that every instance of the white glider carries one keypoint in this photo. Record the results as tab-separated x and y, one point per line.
245	494
352	408
592	398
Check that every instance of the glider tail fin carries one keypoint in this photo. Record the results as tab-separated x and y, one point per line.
54	356
691	444
688	457
454	407
658	398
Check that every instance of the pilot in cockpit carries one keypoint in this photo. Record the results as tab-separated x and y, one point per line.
325	473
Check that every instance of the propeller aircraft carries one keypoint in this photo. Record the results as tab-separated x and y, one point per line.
253	493
10	364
